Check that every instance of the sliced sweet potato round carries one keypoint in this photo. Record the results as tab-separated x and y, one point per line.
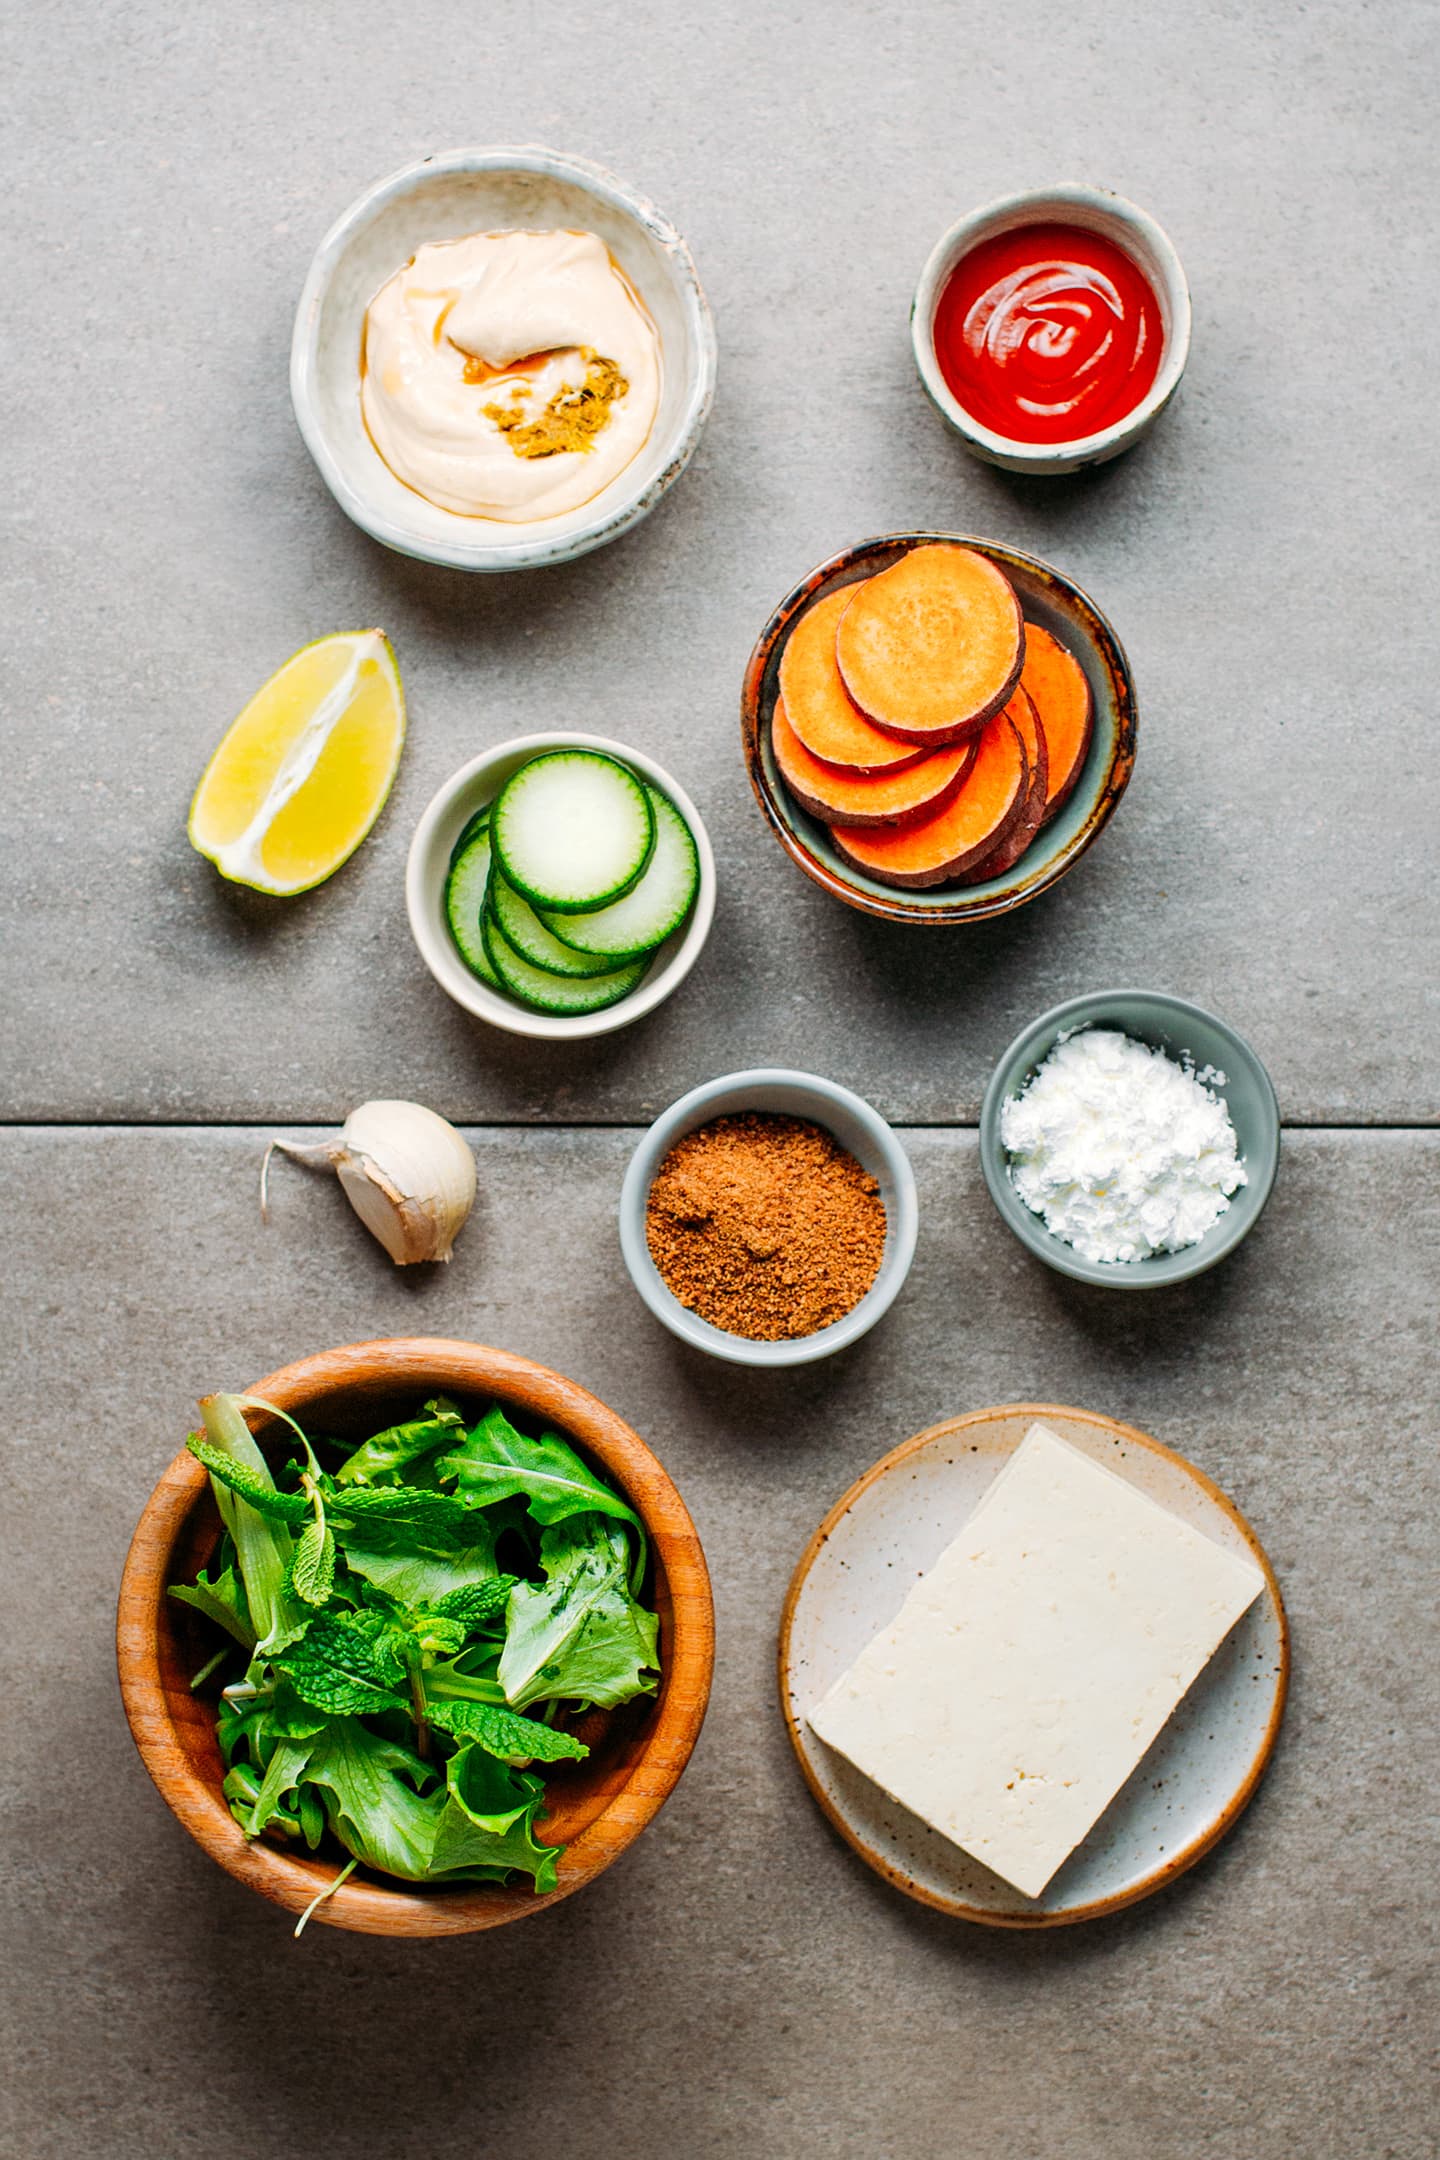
1060	691
1021	710
830	792
820	708
932	647
967	829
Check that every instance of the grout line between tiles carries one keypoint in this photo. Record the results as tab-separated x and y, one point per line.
636	1124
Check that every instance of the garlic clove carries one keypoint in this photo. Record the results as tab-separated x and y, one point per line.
405	1170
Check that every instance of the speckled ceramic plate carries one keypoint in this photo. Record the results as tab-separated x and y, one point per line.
1192	1785
1048	598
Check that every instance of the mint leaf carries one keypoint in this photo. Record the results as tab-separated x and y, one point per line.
502	1732
475	1603
430	1515
349	1664
486	1827
312	1571
389	1452
497	1461
222	1601
582	1636
257	1487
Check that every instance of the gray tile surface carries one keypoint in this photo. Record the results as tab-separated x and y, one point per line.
739	1984
1266	558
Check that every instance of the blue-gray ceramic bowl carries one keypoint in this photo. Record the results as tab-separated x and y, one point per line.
792	1094
1179	1029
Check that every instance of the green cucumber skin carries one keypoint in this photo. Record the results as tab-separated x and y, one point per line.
516	921
575	996
468	830
517	879
470	943
572	928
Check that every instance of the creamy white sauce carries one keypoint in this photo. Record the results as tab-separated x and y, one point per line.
1120	1151
528	305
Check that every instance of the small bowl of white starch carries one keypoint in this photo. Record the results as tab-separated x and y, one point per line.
1129	1138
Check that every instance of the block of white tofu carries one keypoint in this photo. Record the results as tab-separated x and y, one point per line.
1027	1673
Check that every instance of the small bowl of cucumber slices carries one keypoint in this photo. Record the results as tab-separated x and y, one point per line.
560	886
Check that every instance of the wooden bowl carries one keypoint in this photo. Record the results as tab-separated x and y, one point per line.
594	1808
1048	598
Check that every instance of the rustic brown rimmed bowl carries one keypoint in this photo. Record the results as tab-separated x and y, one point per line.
595	1808
1193	1783
1048	598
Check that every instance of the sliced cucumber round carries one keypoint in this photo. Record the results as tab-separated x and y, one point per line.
468	830
572	829
465	886
651	910
522	928
544	992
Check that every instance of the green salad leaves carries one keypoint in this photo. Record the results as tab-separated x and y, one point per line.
389	1625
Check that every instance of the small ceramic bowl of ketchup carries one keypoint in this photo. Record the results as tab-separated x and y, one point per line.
1051	328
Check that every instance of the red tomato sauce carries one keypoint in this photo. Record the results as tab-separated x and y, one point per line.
1048	333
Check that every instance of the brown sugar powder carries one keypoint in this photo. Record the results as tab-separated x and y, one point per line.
765	1226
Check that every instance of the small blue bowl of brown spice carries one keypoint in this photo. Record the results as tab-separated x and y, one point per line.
769	1217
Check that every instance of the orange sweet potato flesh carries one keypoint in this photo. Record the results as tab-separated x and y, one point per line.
1021	710
821	710
1061	695
942	847
831	792
932	647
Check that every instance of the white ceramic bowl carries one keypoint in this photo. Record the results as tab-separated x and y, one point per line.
452	807
1095	210
793	1094
443	198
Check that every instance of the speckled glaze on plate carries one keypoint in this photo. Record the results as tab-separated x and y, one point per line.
1048	598
889	1528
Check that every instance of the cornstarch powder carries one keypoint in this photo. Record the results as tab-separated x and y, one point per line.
1120	1151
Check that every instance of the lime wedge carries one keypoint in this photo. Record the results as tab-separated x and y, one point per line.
303	774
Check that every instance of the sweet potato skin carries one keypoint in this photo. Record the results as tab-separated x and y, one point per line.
867	799
1021	711
819	707
939	849
1060	691
893	612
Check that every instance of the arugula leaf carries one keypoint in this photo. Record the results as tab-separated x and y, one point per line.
501	1732
256	1487
348	1664
221	1600
263	1549
497	1461
376	1800
582	1636
286	1767
420	1571
487	1824
386	1454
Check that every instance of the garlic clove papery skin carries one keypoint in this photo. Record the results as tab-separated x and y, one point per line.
409	1177
407	1173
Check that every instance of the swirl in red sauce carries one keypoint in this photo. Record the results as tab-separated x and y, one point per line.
1048	333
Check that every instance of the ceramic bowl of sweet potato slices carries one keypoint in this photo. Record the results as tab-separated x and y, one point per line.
937	727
